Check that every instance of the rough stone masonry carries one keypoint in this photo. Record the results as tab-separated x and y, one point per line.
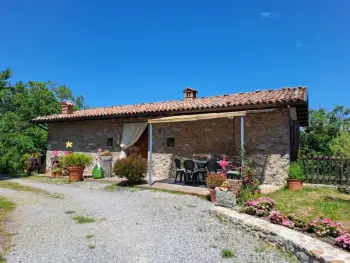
266	141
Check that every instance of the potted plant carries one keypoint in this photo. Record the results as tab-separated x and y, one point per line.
295	177
214	180
106	156
76	163
57	171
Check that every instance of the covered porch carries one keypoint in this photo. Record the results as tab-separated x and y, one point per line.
199	162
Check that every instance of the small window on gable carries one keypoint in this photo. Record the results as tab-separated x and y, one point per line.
170	142
109	142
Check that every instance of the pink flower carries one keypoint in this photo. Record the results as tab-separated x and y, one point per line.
99	150
66	153
223	163
55	153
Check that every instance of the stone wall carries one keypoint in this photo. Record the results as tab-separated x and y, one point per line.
306	248
205	138
87	137
267	144
266	141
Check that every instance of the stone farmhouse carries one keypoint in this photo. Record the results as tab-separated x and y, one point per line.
265	123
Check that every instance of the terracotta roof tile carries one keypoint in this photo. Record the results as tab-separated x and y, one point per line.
280	96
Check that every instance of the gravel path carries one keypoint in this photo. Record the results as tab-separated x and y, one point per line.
132	226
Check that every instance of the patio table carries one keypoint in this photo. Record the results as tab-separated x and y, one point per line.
203	161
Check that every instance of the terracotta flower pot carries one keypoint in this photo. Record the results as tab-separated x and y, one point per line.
212	195
56	174
75	173
294	184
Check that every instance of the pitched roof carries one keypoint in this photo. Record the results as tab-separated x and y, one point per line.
285	96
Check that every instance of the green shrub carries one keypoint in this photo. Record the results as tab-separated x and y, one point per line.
250	184
133	168
296	171
76	159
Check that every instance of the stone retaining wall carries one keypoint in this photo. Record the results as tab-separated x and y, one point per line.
307	249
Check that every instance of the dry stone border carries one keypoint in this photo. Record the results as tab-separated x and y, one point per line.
307	249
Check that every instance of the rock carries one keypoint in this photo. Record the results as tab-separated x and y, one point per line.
225	198
316	252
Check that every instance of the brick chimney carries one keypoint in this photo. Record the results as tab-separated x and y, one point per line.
190	94
67	107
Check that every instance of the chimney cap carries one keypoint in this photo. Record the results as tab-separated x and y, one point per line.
67	102
190	89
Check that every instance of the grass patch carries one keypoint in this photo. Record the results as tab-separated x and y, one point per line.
84	219
26	188
311	202
110	187
227	253
164	191
89	236
57	195
49	180
92	246
223	219
20	187
6	207
264	246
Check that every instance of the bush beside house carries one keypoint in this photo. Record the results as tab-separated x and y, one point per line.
133	168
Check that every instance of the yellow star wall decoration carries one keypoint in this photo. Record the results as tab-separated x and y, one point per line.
69	144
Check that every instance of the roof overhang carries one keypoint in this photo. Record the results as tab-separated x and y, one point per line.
301	109
197	117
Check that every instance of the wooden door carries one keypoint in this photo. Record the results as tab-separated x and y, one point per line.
142	144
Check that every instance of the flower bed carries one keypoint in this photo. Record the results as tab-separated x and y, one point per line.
325	229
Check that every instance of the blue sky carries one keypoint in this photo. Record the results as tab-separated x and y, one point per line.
132	51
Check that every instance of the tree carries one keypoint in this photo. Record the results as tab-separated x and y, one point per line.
341	144
324	126
19	103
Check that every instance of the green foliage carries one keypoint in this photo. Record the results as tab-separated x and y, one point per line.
296	171
227	253
84	219
19	103
6	205
133	168
250	184
57	170
215	180
76	159
324	127
341	144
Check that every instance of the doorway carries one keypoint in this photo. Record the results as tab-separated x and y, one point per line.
142	144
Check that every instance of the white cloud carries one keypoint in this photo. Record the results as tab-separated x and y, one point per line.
299	44
268	14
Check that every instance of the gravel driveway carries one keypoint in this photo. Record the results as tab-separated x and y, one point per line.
132	226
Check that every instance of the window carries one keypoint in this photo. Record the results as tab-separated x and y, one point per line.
170	142
109	142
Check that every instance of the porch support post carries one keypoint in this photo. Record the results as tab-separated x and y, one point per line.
150	154
242	140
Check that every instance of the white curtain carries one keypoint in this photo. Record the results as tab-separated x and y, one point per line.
131	133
